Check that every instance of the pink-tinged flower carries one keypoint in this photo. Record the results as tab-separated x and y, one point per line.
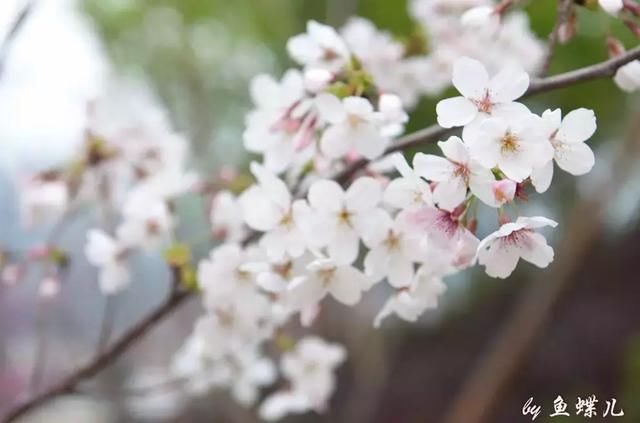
501	251
514	142
504	191
567	137
454	174
481	96
439	226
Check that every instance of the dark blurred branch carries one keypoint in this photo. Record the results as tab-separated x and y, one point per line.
418	138
13	32
481	392
433	133
106	358
565	8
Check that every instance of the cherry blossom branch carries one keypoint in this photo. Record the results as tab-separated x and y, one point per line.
106	358
418	138
433	133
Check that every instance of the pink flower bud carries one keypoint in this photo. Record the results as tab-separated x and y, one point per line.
504	191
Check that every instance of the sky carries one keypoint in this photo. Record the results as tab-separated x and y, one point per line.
54	67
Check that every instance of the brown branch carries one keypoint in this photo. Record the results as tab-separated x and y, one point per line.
129	338
435	132
424	136
565	8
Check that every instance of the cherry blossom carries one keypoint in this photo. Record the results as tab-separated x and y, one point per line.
628	77
310	371
481	96
43	201
319	47
354	125
409	190
454	174
514	142
567	136
281	123
394	255
325	277
226	217
423	294
613	7
109	256
342	218
147	227
268	207
500	251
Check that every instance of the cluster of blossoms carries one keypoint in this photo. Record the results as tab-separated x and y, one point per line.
409	224
412	230
133	166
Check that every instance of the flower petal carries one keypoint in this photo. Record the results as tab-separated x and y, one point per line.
456	111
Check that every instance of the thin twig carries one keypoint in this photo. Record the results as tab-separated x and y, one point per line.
424	136
13	32
129	338
435	132
565	8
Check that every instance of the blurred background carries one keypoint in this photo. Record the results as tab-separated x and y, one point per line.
571	330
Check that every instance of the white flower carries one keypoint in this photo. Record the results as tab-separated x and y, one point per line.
500	251
268	207
394	117
454	174
481	96
281	124
514	142
343	282
567	136
612	7
316	80
422	295
354	125
394	255
147	226
409	190
106	253
319	47
628	77
481	16
223	276
342	218
310	371
226	217
43	201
